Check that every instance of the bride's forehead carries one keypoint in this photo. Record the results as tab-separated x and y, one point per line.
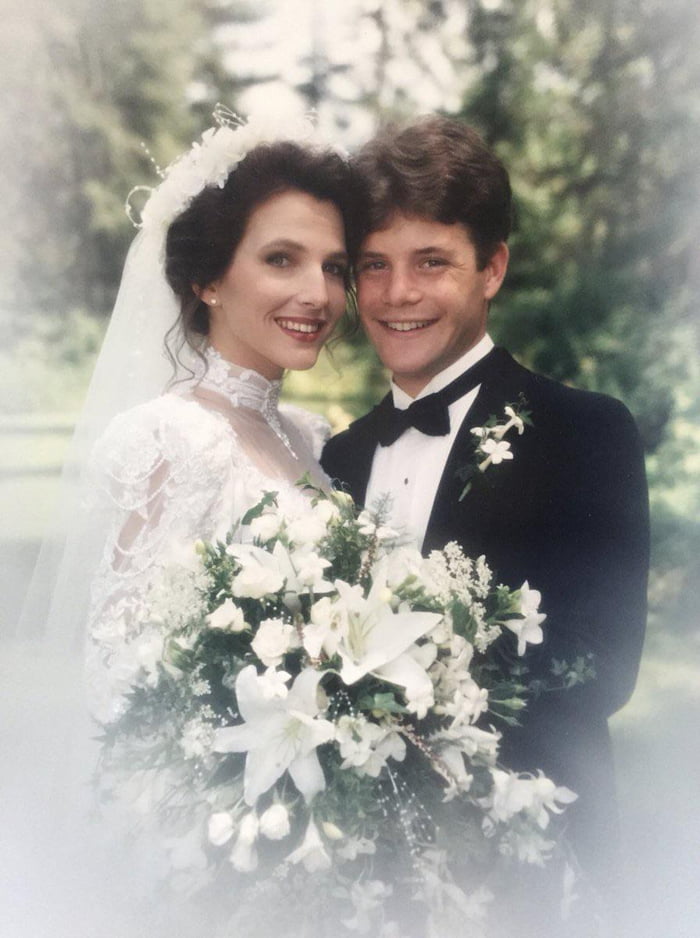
295	214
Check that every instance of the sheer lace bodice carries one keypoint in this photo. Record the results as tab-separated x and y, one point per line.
182	467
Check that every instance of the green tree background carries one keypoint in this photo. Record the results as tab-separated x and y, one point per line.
594	107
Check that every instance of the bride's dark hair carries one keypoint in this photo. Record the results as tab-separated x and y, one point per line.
202	240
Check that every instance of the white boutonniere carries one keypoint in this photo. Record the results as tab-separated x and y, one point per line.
491	449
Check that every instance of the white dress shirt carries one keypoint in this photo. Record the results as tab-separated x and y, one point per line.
409	471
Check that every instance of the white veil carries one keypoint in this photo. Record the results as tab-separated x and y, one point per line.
48	883
133	367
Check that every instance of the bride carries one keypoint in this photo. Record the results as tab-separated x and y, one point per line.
260	268
241	270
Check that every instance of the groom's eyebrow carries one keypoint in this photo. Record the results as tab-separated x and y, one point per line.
432	249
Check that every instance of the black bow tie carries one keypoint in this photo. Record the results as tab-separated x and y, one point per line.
428	414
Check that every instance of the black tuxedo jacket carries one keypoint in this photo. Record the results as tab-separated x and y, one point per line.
569	514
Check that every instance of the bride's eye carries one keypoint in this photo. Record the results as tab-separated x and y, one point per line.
335	268
278	259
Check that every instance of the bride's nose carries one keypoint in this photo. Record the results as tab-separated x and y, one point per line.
313	289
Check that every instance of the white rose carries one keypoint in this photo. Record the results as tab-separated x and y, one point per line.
265	527
255	581
274	823
274	639
227	617
220	828
306	530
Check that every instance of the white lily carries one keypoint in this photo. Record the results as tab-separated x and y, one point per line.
260	574
278	734
376	636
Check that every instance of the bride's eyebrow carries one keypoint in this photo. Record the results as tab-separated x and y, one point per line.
287	244
284	244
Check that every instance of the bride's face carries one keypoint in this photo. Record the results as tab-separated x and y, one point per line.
284	290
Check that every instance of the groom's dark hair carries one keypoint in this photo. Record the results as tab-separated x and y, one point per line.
440	169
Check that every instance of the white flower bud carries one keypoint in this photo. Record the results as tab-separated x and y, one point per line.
274	823
220	828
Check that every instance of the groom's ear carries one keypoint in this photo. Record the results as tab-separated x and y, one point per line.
495	270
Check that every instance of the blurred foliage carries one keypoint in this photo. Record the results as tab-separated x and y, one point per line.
594	108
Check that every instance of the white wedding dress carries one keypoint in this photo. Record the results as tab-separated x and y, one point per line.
181	468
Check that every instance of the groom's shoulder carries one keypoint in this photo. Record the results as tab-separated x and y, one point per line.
563	401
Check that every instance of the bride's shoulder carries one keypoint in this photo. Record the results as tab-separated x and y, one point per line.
313	427
151	430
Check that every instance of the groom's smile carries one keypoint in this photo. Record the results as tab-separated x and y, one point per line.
423	300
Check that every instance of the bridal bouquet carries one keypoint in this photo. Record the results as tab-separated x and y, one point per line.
309	728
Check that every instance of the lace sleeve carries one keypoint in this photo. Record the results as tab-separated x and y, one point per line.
314	428
162	476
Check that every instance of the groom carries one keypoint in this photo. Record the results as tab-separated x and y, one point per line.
559	501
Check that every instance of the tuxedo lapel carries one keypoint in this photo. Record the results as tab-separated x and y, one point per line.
449	513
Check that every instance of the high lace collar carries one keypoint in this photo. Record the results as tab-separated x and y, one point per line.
244	387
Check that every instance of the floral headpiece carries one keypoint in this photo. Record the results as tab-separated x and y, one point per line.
210	161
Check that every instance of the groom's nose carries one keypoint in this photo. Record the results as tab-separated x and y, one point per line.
400	288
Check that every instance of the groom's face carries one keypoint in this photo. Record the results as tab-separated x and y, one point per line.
423	301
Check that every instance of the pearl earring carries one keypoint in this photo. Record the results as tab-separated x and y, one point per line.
213	301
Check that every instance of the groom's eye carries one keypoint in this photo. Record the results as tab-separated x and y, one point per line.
434	262
372	265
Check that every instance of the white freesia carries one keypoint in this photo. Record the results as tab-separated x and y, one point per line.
228	616
312	852
390	746
528	629
459	780
537	795
369	524
274	823
366	746
273	640
403	564
244	857
279	734
310	568
496	452
471	740
273	683
327	625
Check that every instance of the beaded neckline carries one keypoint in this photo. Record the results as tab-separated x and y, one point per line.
244	387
